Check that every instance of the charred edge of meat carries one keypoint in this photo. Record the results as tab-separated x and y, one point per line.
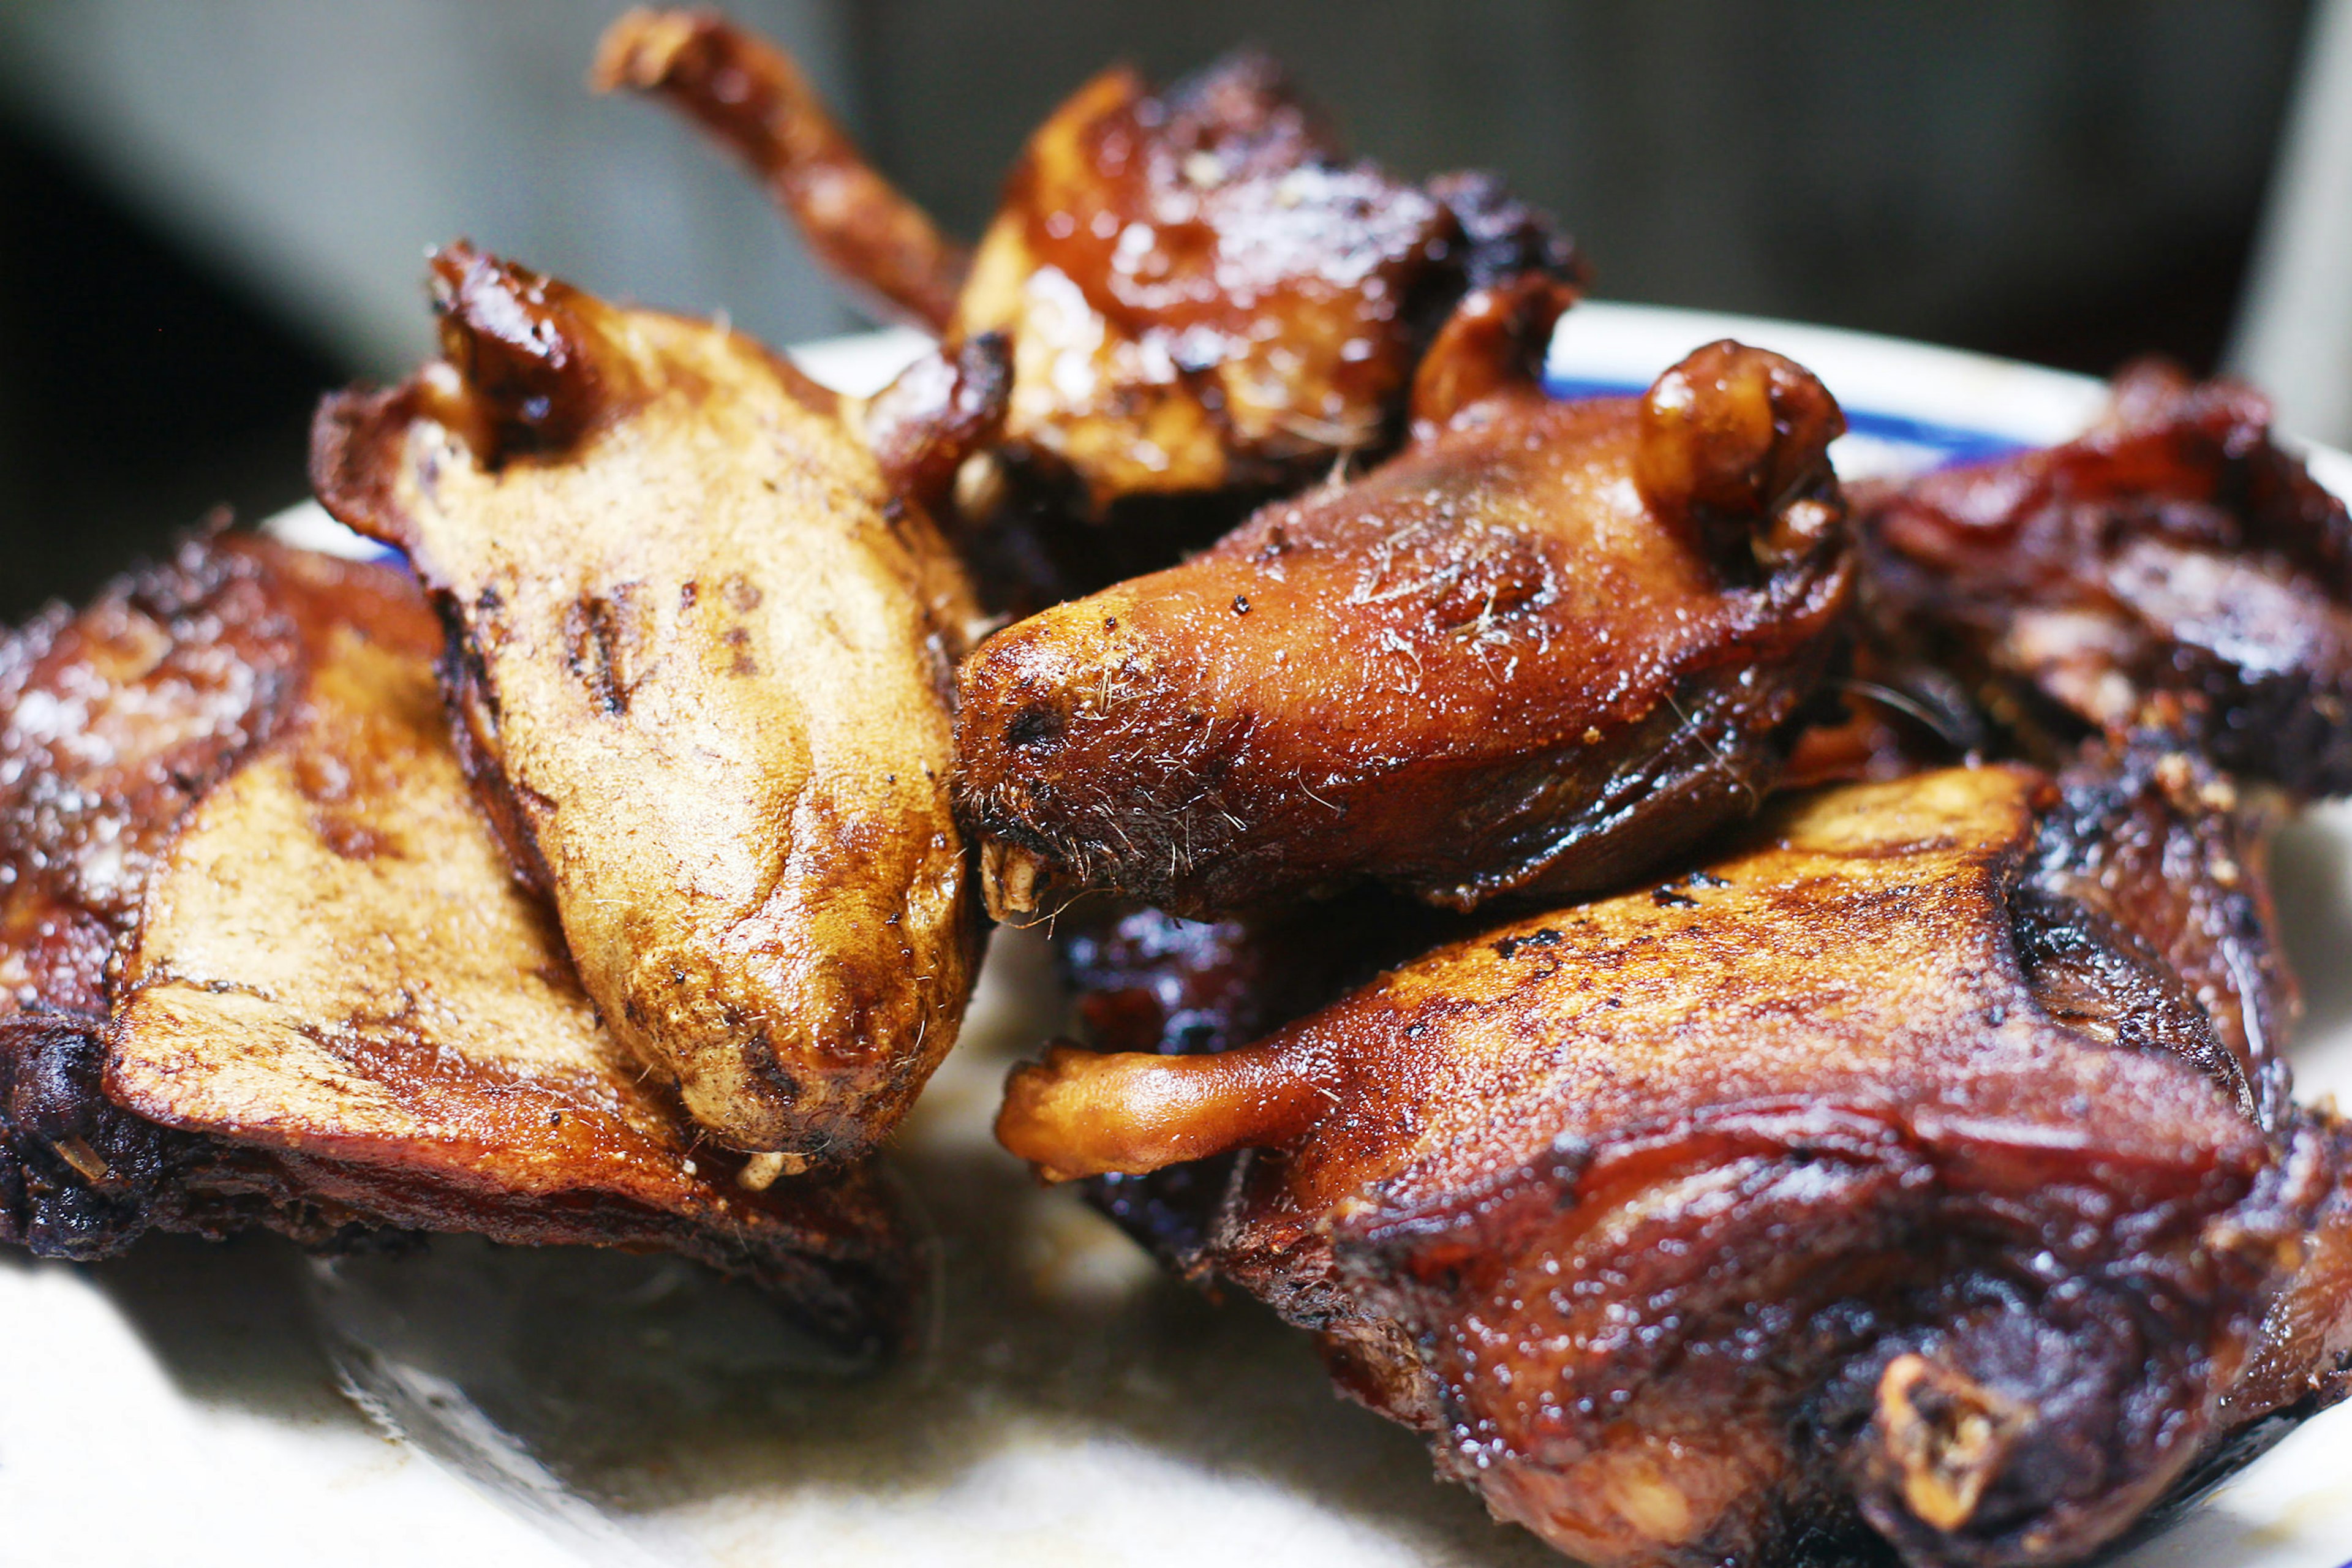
471	699
352	469
939	412
860	1296
2152	841
2090	973
79	1178
2022	574
1504	235
1999	1430
220	657
82	1179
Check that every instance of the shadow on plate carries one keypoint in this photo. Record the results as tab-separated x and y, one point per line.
229	1322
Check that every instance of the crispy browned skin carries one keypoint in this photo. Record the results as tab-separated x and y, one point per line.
268	966
2173	564
1208	302
1201	293
753	98
701	653
1546	646
1712	1222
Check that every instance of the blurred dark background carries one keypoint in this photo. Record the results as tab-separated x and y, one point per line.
211	210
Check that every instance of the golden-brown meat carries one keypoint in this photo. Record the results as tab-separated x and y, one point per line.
1545	647
2173	566
1208	304
268	966
1201	294
1722	1219
701	648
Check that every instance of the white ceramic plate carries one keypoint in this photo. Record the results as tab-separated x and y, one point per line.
181	1404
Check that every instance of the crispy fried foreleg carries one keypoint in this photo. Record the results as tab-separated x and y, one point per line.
752	98
1080	1113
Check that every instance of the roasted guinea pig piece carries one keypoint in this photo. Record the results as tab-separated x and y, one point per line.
1548	644
1208	302
701	643
1142	980
262	962
1868	1177
2174	562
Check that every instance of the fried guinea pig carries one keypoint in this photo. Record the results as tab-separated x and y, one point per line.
1208	302
1884	1182
700	645
2173	564
262	962
1547	644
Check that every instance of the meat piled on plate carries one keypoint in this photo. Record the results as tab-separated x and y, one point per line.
1905	1167
1545	647
1208	304
263	963
702	640
1913	1166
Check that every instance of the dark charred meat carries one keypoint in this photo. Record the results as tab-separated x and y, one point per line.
1883	1179
2174	566
1146	981
266	964
1208	304
1548	644
701	650
2151	893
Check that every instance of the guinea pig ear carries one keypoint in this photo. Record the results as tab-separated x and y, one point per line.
1493	345
1735	449
943	408
528	367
